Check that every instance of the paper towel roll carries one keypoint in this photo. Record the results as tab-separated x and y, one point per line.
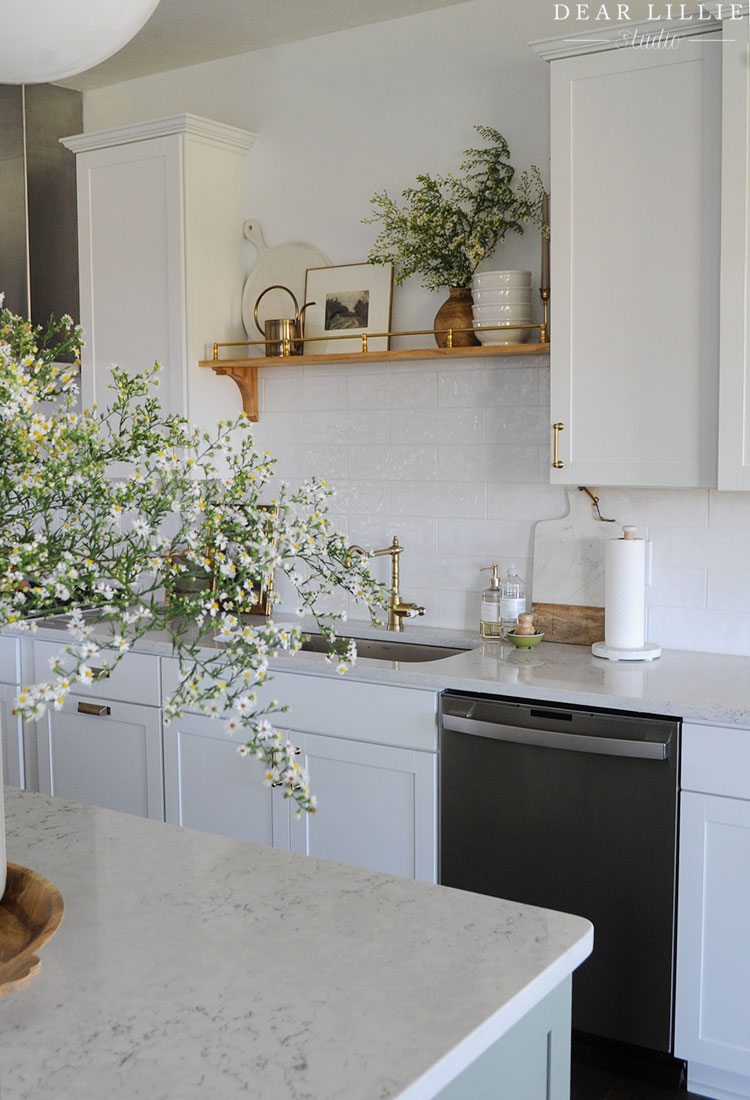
624	598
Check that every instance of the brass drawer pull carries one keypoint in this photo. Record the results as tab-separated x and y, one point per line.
557	462
100	673
98	709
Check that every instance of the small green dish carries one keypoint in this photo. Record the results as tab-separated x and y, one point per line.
524	641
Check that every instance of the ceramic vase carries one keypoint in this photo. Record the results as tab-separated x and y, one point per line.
455	313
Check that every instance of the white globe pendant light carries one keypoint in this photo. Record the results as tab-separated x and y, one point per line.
46	40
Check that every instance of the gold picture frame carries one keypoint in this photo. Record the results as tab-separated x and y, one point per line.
347	297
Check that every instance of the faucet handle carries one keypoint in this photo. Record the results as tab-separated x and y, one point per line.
409	610
394	548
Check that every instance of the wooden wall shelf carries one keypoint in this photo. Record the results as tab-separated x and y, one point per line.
245	371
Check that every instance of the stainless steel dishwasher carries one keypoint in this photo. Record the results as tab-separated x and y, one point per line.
576	810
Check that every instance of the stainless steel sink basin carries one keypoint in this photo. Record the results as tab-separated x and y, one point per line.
387	649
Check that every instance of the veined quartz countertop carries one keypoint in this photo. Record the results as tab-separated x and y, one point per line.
190	965
711	688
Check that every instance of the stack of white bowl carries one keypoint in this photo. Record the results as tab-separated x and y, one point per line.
500	297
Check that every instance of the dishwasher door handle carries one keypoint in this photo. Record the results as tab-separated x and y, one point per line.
551	739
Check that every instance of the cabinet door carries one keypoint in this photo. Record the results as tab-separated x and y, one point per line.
209	786
11	736
377	806
171	284
734	410
133	274
712	1018
103	753
635	264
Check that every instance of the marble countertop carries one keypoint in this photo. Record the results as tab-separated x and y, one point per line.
710	688
190	965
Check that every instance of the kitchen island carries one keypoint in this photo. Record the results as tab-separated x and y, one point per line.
190	965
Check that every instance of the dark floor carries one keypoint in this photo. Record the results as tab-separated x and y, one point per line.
592	1083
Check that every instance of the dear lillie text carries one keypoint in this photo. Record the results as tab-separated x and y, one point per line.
620	13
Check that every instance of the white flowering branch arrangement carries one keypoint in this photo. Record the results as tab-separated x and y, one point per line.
449	224
106	512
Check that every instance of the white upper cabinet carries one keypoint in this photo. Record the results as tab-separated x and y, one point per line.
162	255
734	408
636	189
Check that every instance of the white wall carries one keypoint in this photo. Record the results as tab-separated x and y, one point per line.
452	457
344	115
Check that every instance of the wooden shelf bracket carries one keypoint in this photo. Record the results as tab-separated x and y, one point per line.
246	378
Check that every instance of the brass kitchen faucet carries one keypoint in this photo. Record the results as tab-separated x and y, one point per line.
398	610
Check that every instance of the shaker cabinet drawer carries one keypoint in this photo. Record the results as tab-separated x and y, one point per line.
103	753
135	679
716	760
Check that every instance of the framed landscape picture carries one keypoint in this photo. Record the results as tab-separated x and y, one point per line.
352	298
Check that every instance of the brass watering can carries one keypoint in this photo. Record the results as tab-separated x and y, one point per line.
282	334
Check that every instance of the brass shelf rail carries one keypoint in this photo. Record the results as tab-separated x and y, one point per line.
286	342
244	371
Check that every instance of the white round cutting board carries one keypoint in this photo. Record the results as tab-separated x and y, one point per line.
284	264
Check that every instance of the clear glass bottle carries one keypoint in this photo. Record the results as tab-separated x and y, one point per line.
489	616
512	599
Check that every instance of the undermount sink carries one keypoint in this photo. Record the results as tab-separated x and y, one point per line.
386	649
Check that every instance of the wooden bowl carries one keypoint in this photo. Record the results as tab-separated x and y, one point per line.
30	913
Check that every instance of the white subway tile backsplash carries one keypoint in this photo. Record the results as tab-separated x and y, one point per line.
407	461
483	388
368	391
305	393
692	547
491	462
417	535
655	507
455	460
412	391
729	590
346	427
289	461
522	501
364	497
730	510
277	428
438	498
458	609
490	538
329	463
442	425
517	424
455	571
544	394
374	391
699	629
675	587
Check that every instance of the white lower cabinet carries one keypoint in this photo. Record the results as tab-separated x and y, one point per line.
208	786
11	726
377	806
103	752
11	736
371	753
712	1019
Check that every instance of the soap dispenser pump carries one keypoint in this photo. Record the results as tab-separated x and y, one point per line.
490	625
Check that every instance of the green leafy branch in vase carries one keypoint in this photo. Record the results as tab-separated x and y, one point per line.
447	225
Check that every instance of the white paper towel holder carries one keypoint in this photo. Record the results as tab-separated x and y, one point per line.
648	651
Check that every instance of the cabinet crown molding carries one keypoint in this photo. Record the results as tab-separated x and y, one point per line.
610	37
189	125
